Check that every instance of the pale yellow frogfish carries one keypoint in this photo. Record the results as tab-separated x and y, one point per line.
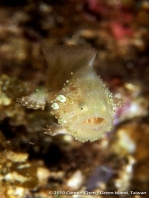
79	100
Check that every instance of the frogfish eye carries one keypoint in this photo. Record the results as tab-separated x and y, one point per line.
82	106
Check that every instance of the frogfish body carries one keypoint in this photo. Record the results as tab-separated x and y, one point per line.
79	99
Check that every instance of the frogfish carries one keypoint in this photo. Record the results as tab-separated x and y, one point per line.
78	98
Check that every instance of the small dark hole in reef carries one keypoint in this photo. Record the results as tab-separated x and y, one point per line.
10	131
53	155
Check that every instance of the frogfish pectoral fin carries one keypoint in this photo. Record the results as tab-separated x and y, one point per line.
36	100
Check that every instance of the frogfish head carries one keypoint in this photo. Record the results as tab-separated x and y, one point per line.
84	107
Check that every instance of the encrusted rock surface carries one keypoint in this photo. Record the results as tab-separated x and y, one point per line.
35	164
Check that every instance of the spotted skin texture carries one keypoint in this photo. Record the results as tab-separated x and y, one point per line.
88	110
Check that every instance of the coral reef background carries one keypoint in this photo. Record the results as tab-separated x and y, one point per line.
34	164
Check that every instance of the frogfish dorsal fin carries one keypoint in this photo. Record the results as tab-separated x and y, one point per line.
63	61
